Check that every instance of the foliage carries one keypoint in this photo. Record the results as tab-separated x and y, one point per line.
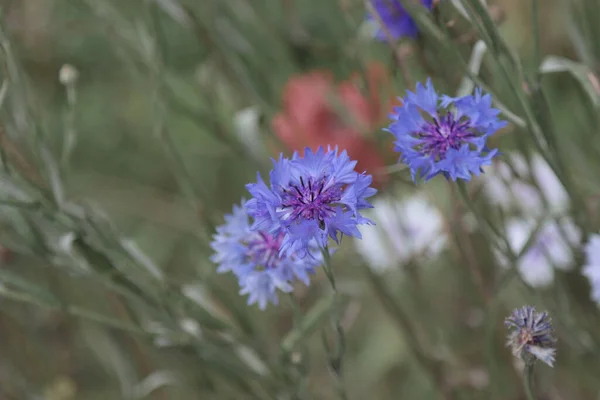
129	129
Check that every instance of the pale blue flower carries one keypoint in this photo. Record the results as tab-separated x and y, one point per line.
254	257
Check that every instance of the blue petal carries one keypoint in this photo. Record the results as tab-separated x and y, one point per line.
396	19
424	97
343	222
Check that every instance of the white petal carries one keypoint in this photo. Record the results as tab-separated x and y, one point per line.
372	248
518	232
519	163
527	197
592	250
550	185
544	354
536	271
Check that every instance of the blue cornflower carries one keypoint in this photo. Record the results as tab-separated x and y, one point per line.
531	337
396	19
441	134
310	198
254	257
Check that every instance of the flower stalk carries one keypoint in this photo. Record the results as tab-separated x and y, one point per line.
336	355
528	381
429	366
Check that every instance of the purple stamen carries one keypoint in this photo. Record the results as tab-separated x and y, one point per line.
311	200
442	134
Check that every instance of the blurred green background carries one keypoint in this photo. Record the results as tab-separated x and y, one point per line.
158	153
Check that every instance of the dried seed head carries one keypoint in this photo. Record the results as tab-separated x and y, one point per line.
531	335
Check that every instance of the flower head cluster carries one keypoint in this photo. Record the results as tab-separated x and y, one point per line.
444	135
550	248
254	257
398	22
405	230
592	265
309	199
531	335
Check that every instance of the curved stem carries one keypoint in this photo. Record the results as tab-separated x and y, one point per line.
431	367
300	382
74	311
528	381
537	53
336	354
398	54
489	229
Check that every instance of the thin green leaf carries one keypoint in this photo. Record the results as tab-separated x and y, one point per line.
588	80
33	290
311	321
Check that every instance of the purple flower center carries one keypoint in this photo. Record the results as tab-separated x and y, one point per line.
529	332
537	336
443	133
311	200
263	249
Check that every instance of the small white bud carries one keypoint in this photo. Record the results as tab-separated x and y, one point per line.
68	75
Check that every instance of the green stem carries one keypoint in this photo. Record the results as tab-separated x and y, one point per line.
74	311
408	81
537	53
328	268
337	354
528	381
301	366
429	366
491	231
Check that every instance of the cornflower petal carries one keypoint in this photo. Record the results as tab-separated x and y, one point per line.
444	135
313	196
254	256
396	19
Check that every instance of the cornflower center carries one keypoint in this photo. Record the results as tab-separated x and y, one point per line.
311	199
443	133
526	337
263	249
537	335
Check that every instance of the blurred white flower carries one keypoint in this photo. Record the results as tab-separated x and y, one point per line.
191	327
403	230
478	378
517	187
68	75
154	381
551	248
251	359
592	265
247	129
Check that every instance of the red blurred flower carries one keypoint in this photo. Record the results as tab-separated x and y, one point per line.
311	115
